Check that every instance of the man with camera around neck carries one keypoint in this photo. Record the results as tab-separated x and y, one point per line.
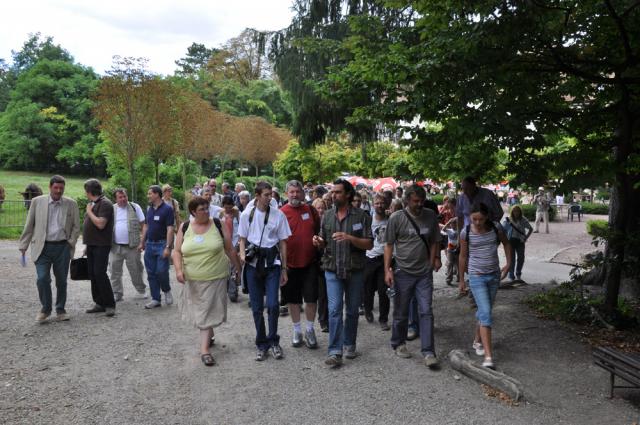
263	232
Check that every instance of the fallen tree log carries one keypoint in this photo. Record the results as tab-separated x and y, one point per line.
461	362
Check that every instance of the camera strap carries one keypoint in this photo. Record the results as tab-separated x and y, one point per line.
264	225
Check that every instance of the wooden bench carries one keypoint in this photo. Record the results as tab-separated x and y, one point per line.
624	365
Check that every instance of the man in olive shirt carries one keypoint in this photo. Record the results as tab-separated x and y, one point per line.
97	235
412	238
345	235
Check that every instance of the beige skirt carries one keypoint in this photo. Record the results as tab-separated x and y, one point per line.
204	303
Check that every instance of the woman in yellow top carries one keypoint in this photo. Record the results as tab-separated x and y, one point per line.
202	266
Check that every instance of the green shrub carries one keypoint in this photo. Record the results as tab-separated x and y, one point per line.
591	208
529	211
598	228
438	199
250	182
171	173
228	176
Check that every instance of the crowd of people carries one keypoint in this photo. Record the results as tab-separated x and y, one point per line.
317	252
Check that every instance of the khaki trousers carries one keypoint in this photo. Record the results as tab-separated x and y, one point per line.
120	254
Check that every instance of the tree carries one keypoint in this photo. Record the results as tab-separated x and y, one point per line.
260	142
122	108
47	124
509	75
241	58
198	55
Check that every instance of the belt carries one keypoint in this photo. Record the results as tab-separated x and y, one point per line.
122	244
57	242
158	241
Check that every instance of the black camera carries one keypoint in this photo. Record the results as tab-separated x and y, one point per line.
250	253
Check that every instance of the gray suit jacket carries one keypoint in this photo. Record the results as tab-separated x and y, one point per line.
35	229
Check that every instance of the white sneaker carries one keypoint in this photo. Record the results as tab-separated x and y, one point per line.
479	349
152	304
168	298
488	363
141	296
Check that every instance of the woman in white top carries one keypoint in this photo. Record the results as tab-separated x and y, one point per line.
479	250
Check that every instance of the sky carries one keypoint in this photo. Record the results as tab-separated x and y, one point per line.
160	30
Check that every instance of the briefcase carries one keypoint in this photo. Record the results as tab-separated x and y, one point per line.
79	269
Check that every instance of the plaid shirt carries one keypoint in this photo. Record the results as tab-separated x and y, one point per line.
342	257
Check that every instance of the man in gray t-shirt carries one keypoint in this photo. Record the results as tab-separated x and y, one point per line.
414	234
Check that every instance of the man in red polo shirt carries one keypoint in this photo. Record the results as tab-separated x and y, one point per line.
301	262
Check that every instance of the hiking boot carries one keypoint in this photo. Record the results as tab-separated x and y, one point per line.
350	352
333	361
61	317
324	327
384	326
431	361
110	311
95	309
402	351
284	311
42	317
117	296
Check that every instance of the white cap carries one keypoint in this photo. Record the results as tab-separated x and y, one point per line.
541	189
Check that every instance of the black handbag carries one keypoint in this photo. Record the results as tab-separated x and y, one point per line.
79	269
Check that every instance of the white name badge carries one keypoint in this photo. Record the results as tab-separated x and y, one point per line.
156	218
198	239
305	216
357	226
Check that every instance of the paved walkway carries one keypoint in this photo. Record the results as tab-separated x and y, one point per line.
142	366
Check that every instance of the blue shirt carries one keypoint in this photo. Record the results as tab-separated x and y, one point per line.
157	222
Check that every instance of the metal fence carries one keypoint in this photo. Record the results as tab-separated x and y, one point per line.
13	213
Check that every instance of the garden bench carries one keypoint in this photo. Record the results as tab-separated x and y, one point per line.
618	363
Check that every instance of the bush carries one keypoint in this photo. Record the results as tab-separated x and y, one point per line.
598	228
171	173
529	211
438	199
591	208
228	176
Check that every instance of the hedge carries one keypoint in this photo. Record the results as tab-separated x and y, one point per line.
529	211
592	208
598	228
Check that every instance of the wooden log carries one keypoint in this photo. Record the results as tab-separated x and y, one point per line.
461	362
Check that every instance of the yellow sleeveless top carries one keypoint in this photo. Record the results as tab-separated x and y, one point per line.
203	255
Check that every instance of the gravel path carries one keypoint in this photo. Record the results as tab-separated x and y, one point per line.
142	367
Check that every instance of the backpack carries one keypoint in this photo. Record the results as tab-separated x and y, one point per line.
217	222
467	230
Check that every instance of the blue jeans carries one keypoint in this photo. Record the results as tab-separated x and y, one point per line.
414	317
157	268
517	251
484	288
258	288
58	257
420	289
339	292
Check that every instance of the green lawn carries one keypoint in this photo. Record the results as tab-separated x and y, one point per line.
15	182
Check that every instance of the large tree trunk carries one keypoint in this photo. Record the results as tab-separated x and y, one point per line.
623	209
132	175
157	167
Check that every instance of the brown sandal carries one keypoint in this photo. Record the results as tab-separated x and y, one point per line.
208	359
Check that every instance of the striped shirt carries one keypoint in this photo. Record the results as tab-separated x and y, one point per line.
483	251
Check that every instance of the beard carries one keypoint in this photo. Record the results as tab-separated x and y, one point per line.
295	202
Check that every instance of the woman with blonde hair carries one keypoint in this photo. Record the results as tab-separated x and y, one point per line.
518	230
